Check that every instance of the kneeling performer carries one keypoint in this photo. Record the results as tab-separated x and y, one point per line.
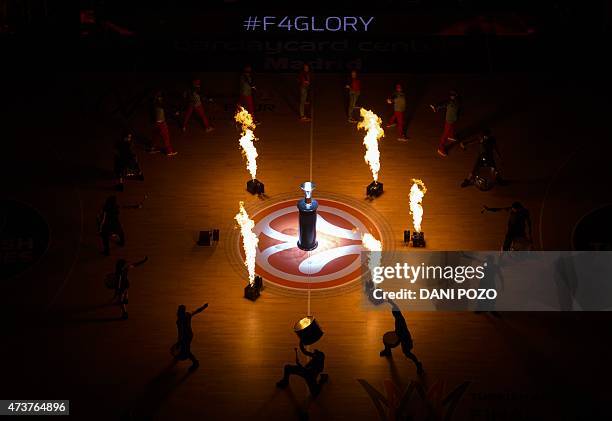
309	372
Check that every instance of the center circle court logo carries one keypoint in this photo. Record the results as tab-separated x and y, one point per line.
335	262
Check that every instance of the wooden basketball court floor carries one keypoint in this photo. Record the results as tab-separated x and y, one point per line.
519	366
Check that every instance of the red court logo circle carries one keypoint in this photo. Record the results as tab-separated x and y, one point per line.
335	262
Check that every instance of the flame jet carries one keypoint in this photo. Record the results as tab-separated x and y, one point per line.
372	124
375	248
247	140
249	240
417	191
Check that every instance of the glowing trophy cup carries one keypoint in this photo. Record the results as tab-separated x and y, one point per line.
307	208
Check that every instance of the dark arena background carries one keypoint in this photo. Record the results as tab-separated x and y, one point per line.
79	77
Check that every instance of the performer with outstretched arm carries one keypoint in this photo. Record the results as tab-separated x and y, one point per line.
182	349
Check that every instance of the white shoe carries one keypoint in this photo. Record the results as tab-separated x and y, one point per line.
402	139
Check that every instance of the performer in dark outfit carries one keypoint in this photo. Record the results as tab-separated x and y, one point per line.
109	224
122	283
182	349
309	372
403	337
126	162
486	157
519	221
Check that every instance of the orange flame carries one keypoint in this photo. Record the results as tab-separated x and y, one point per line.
249	240
372	124
374	246
417	191
247	138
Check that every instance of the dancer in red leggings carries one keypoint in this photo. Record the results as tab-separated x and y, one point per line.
161	126
194	101
399	108
452	114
